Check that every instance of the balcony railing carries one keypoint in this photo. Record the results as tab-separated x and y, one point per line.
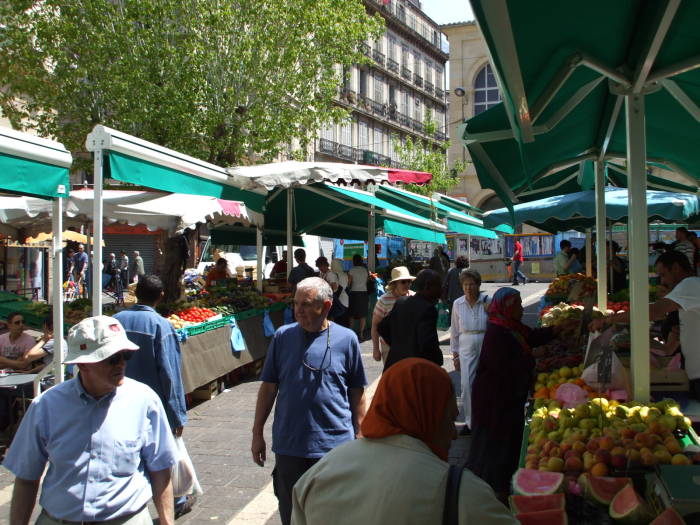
340	151
439	135
405	73
417	80
428	86
364	47
378	57
416	125
375	159
379	108
439	93
403	119
392	65
417	27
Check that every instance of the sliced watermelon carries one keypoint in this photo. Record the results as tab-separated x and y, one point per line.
601	489
529	482
525	504
669	517
543	517
628	507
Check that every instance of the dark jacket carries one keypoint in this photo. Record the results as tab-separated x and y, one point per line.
413	326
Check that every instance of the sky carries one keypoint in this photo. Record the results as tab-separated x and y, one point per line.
448	11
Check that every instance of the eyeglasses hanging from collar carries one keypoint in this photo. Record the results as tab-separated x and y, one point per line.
324	365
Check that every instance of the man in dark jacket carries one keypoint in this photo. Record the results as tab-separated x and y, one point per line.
413	322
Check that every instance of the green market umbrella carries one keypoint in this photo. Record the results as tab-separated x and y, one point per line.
577	211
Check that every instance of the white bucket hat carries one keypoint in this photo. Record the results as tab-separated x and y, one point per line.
400	273
95	339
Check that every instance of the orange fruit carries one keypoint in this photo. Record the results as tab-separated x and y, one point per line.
599	469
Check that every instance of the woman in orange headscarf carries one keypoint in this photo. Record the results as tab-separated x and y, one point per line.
397	473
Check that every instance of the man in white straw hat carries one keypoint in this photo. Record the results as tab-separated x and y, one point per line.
105	437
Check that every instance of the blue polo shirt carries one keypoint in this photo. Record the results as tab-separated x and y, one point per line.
98	450
312	412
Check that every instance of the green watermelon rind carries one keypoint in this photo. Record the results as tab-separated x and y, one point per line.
539	502
663	518
554	486
587	483
637	514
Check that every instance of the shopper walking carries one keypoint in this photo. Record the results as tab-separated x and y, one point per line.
314	371
344	298
124	268
504	376
398	286
398	472
158	362
452	289
517	263
138	270
358	276
469	318
302	270
105	439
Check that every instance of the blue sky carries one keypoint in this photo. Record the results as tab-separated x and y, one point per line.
448	11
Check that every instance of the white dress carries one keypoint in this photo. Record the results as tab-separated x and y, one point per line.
466	335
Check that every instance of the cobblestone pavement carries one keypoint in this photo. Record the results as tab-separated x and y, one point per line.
236	491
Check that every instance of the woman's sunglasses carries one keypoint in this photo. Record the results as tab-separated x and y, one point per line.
404	281
118	357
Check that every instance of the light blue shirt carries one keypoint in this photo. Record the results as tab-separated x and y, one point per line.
98	450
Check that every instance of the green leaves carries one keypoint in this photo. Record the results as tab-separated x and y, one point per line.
221	80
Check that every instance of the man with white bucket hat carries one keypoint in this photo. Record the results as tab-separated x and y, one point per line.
105	437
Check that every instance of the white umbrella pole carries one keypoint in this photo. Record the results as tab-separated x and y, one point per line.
57	288
97	235
589	253
371	247
638	245
290	238
259	248
601	245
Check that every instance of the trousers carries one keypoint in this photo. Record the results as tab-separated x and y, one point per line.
287	471
143	517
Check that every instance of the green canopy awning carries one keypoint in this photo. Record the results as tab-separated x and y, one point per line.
248	236
33	166
470	229
410	231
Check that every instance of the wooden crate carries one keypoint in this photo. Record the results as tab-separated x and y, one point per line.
206	392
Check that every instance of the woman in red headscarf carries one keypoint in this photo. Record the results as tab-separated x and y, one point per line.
397	473
504	377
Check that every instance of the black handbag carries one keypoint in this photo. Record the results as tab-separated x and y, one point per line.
338	309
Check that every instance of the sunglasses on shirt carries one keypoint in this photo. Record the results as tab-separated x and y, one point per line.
118	357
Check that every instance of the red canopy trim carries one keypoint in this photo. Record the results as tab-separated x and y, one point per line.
409	176
232	208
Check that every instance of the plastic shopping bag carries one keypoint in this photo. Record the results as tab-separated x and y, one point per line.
443	322
288	315
182	473
237	340
618	378
268	327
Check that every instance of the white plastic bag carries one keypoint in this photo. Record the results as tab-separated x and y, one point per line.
182	473
617	376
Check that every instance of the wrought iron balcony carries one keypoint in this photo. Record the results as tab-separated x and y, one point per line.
405	73
392	65
378	108
428	86
439	135
439	93
340	151
378	57
366	49
327	146
403	119
417	80
417	125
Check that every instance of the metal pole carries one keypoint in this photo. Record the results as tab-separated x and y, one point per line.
96	262
57	288
259	248
290	238
589	253
638	245
601	245
371	247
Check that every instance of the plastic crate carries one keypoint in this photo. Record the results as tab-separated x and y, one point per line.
9	297
207	326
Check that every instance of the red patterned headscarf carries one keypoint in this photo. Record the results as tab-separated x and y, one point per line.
501	313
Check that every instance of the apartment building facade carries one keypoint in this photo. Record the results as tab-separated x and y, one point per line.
391	98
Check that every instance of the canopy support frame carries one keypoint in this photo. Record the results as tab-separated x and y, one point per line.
57	289
682	98
95	262
601	244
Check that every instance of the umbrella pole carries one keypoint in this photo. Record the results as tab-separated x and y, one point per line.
638	245
601	245
589	254
97	235
371	247
290	239
259	250
57	288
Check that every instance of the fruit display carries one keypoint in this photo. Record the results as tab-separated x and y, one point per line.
562	285
668	517
548	383
195	314
564	313
230	293
603	436
537	482
525	504
179	323
628	506
555	355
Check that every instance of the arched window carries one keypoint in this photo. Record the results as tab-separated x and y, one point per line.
486	93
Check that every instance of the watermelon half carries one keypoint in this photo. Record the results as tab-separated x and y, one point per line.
529	482
669	517
628	507
525	504
543	517
601	489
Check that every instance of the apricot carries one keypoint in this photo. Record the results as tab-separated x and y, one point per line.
599	469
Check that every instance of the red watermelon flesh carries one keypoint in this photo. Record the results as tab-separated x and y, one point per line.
669	517
601	489
529	482
628	507
543	517
525	504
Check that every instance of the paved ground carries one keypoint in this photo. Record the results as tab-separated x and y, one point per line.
236	491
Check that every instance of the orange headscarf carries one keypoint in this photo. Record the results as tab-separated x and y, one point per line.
411	399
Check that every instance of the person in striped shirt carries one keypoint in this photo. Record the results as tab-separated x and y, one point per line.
399	286
684	245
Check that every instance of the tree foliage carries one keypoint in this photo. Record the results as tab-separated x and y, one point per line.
422	155
220	80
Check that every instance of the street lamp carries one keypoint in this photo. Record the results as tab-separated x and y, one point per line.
461	93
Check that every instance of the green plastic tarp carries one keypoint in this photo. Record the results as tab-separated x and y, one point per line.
36	179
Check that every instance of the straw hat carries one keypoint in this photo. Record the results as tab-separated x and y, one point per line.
400	273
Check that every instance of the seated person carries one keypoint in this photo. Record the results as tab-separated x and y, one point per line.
219	272
15	343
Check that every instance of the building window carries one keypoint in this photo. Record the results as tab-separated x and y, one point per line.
379	89
363	135
417	64
486	93
363	82
346	134
428	72
391	50
405	57
405	102
438	77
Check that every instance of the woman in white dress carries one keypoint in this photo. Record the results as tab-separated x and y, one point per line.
469	318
